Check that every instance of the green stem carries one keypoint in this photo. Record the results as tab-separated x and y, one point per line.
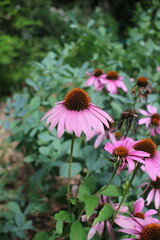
69	170
113	174
125	194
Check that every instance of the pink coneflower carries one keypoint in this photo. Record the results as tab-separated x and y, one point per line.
152	163
152	120
94	79
99	227
144	229
124	152
76	113
154	192
112	80
138	208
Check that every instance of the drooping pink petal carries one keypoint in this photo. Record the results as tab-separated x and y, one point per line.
150	196
111	87
151	109
61	125
143	112
150	212
110	230
144	120
157	199
121	84
130	164
99	140
103	113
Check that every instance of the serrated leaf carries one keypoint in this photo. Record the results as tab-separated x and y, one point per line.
77	231
105	213
113	191
91	201
63	216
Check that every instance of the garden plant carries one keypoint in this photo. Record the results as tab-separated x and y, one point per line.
88	124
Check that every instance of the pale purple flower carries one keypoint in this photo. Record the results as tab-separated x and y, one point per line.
138	208
124	152
152	120
112	80
153	188
143	229
99	227
94	79
76	113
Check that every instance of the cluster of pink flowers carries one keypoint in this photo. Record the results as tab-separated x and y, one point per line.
111	80
77	114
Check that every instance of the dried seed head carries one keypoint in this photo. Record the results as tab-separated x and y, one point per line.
142	81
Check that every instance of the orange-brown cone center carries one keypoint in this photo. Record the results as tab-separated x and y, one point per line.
156	184
112	75
139	215
121	152
146	145
142	81
150	232
77	99
155	119
98	72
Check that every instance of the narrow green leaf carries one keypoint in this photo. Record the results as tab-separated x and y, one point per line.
105	213
35	103
91	202
113	191
77	231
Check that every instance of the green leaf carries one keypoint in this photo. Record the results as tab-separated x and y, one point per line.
63	216
44	150
105	213
90	156
29	159
76	168
19	219
77	231
86	187
91	201
41	236
59	227
34	104
113	191
14	207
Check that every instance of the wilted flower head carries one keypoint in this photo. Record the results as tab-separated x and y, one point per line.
94	79
143	229
76	113
152	120
125	154
143	88
129	117
152	163
112	80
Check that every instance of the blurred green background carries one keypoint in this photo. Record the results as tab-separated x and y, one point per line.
31	28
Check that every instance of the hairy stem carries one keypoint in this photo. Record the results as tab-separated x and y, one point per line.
126	192
69	170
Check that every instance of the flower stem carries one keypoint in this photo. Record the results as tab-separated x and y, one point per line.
69	170
113	174
125	194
